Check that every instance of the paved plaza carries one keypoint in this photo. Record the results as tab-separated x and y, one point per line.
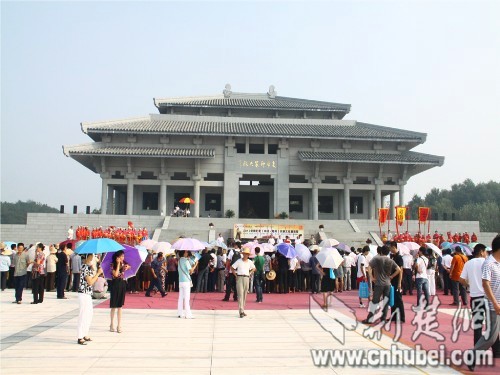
42	338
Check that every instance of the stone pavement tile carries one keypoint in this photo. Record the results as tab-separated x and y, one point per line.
279	362
143	364
249	370
160	370
264	354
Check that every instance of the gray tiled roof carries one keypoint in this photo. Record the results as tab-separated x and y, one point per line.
257	102
231	127
406	157
90	150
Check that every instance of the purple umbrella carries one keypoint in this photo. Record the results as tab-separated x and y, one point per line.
343	247
132	258
466	249
287	250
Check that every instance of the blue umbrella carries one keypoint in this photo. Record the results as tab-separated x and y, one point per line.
287	250
98	246
446	245
8	243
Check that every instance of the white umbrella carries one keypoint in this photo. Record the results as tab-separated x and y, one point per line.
164	247
403	249
218	244
190	244
373	249
329	257
143	252
148	244
330	242
267	248
412	245
303	252
434	248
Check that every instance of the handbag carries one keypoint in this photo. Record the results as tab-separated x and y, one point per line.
363	290
332	274
391	297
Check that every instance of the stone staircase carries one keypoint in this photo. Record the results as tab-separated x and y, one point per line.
351	232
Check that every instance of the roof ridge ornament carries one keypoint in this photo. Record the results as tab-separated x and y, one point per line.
227	91
272	92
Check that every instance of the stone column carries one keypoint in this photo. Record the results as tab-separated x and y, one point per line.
378	195
371	206
402	193
196	196
314	201
163	196
347	199
392	213
130	197
110	209
104	197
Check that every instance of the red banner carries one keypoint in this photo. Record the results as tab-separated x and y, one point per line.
383	214
423	214
400	215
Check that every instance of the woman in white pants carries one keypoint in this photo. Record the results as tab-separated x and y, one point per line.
431	272
185	268
87	278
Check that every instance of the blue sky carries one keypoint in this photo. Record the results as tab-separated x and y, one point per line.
428	66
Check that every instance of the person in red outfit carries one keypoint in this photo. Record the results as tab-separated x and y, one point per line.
473	237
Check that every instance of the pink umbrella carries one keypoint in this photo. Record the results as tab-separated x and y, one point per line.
148	244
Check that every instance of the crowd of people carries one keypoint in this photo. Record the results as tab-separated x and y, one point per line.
437	238
471	280
130	235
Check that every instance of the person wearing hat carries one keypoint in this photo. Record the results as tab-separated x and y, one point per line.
4	265
243	269
51	269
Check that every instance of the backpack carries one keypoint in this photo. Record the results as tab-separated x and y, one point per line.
236	256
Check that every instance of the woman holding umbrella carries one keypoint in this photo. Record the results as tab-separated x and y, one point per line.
118	290
327	284
87	279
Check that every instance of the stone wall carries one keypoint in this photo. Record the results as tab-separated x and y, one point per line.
51	228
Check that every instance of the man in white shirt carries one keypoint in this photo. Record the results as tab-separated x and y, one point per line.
298	240
220	238
348	263
408	274
472	277
362	275
446	263
243	269
70	233
421	279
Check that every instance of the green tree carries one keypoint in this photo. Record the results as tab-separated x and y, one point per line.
487	213
17	213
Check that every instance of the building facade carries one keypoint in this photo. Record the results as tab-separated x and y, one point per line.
258	155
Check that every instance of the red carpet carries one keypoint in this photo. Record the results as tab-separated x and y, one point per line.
213	301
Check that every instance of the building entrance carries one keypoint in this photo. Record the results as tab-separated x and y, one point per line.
254	205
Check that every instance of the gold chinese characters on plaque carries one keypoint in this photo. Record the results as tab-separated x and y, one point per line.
258	164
